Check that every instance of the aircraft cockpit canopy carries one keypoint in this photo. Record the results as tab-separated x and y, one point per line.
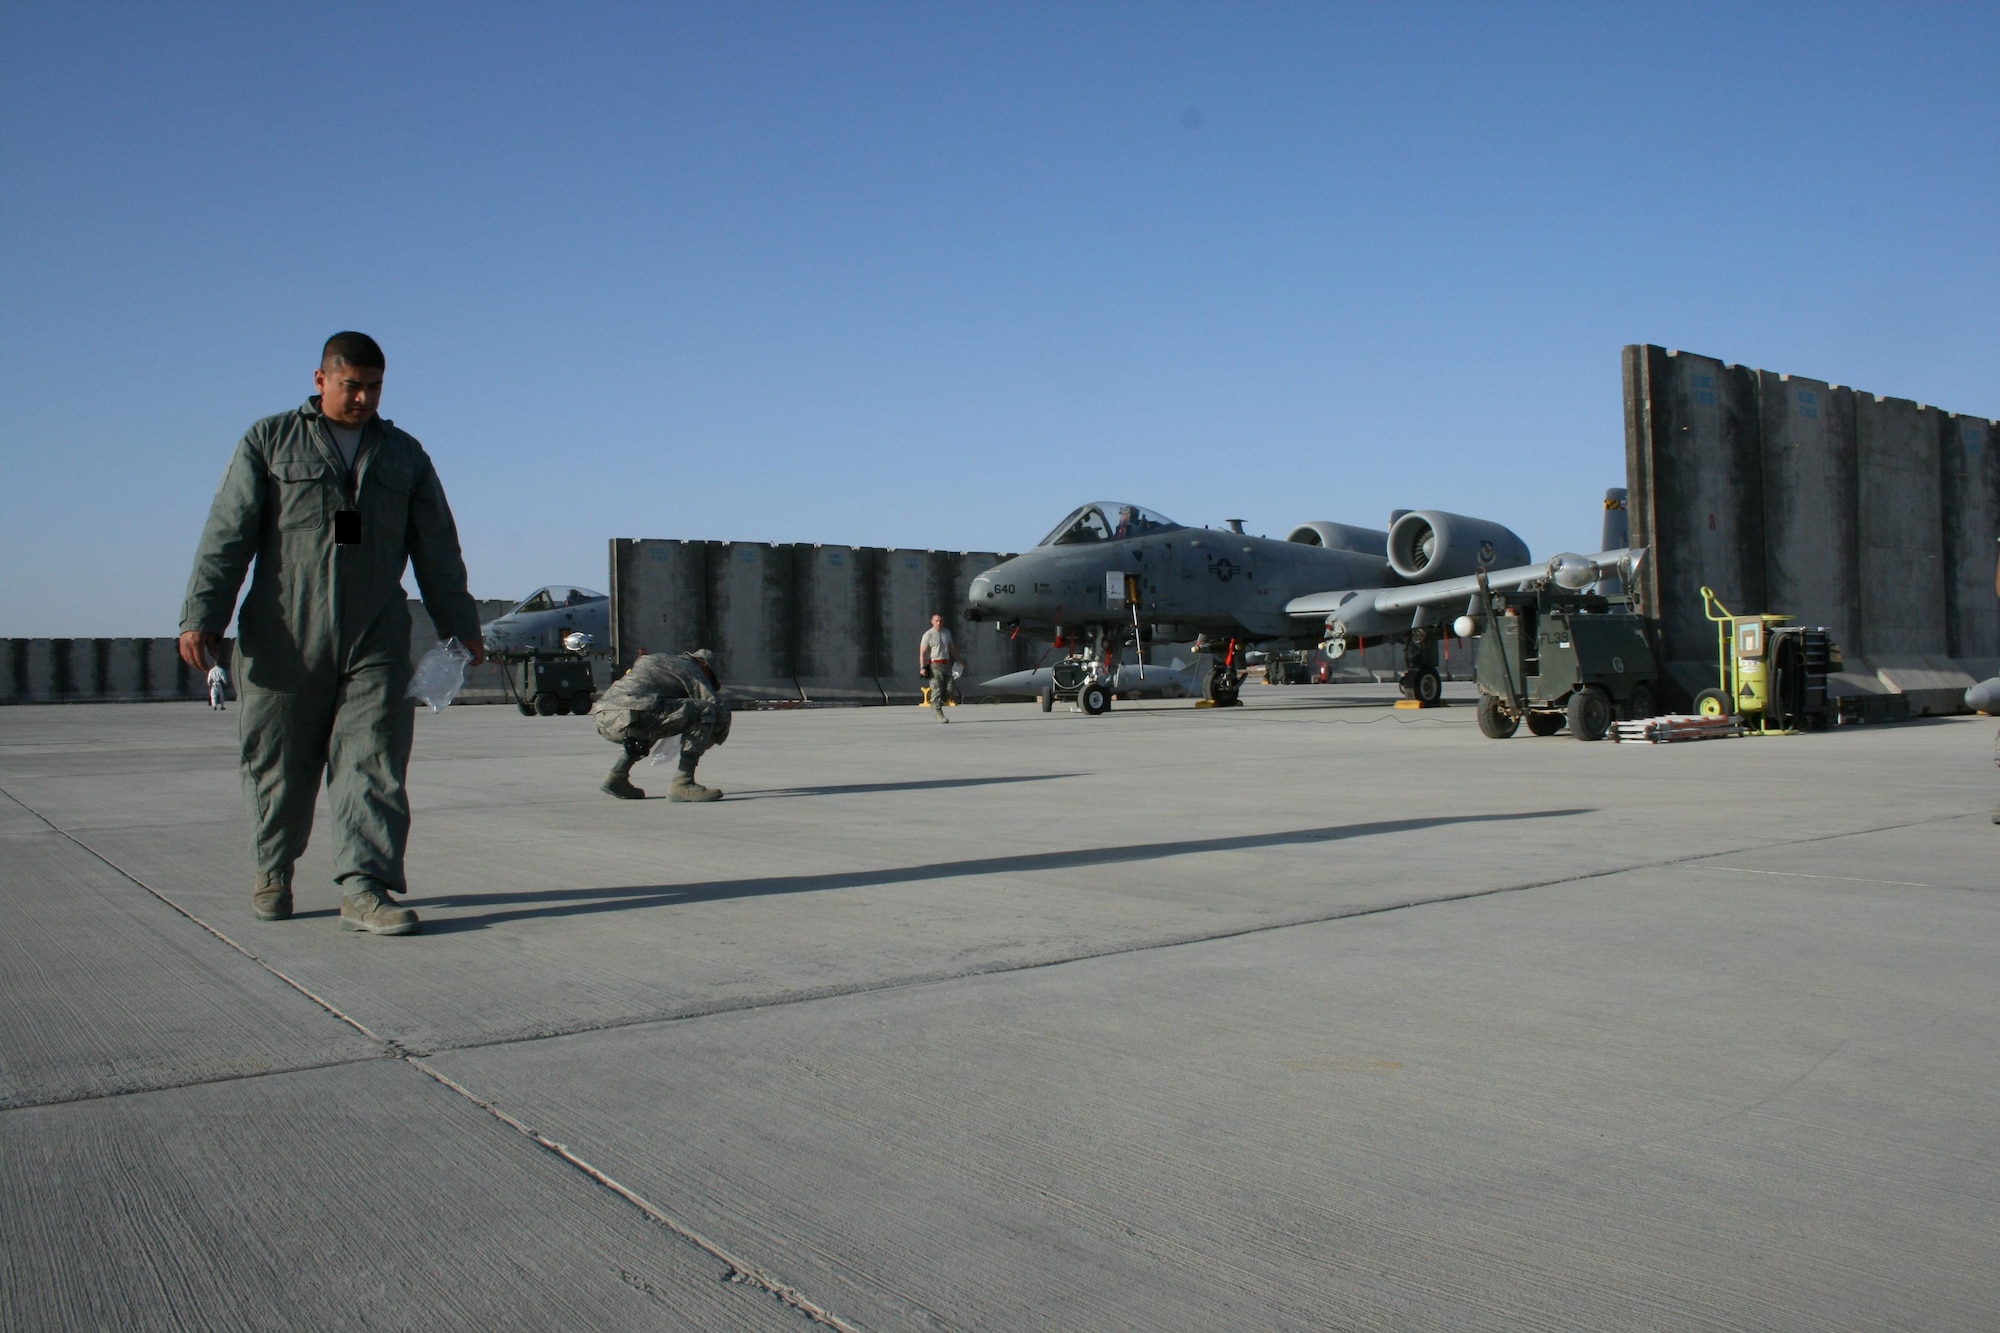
1107	521
555	597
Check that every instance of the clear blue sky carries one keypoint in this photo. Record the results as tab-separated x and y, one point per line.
930	274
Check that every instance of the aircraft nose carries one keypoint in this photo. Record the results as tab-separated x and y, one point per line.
992	596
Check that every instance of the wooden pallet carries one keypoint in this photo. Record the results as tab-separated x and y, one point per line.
1675	727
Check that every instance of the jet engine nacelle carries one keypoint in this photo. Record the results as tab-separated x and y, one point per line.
1429	544
1341	537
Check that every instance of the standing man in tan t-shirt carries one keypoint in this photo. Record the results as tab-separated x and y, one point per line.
936	655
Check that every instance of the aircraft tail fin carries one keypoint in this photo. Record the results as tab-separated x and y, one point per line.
1617	535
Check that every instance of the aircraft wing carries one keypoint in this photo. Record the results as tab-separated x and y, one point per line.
1571	570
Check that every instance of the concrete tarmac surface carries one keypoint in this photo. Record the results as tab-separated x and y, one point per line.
1309	1014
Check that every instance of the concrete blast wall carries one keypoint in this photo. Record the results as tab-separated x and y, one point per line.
1875	517
835	624
76	671
48	671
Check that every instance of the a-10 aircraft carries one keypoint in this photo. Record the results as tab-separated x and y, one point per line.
1116	575
542	622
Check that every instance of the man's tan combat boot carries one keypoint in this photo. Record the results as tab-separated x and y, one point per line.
368	908
619	784
271	900
685	788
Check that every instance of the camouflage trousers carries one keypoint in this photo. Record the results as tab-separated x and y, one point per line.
699	723
941	685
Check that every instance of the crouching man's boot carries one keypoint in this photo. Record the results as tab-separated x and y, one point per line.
271	900
685	788
368	907
619	784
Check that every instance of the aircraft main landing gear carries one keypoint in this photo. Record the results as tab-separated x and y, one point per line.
1423	684
1221	686
1420	679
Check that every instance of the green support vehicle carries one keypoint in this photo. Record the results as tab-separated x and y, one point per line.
1553	658
552	686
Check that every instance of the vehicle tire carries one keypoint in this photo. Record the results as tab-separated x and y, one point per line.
1495	720
1712	703
545	704
527	709
1426	686
1546	724
582	703
1639	704
1589	713
1094	698
1048	700
562	706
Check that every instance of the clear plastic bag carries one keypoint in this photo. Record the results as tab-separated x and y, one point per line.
440	675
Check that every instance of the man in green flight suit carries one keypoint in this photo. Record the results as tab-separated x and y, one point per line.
331	501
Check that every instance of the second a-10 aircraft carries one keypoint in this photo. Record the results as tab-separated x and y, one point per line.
1116	575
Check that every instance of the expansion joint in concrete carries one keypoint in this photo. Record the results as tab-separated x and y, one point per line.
740	1270
788	999
176	1085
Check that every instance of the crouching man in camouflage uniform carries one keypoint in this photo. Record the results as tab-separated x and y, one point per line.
664	696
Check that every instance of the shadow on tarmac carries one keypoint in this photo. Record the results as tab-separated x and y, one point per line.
856	788
586	902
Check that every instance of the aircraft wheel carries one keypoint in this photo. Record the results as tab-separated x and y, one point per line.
1589	713
1048	700
1545	724
1640	703
1494	719
1426	686
1712	703
545	704
1094	699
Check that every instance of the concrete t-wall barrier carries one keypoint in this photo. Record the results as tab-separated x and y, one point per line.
802	622
76	671
48	671
1873	516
